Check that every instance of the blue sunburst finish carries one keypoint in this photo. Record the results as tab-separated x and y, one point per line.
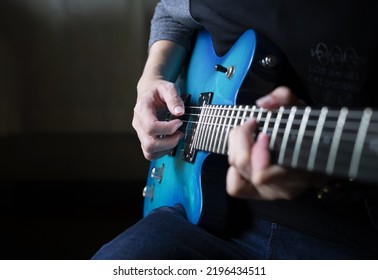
181	180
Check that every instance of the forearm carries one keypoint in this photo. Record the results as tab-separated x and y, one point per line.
164	62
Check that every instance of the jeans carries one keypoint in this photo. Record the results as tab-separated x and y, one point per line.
166	234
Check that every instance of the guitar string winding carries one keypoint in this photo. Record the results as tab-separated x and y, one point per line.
232	121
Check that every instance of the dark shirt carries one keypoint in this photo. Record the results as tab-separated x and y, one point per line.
330	50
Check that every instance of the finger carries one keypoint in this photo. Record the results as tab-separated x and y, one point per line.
281	96
156	155
260	159
145	119
154	147
155	128
241	141
237	186
169	93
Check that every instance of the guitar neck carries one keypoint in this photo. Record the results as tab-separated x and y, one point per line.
342	143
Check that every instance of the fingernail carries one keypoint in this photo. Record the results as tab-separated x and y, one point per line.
264	138
264	101
178	110
179	125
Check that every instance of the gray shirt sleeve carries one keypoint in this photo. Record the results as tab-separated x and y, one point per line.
172	21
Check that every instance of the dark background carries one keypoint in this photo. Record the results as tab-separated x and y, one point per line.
71	167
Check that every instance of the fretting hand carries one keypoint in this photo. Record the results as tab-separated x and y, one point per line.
251	174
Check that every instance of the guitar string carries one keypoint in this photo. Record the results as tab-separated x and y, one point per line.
347	138
343	145
299	111
310	127
348	131
327	136
281	130
322	155
353	123
368	164
254	108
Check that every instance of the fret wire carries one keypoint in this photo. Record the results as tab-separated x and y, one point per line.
250	112
238	110
244	117
331	124
266	122
200	127
361	135
222	144
197	135
236	114
203	128
347	137
315	143
301	134
332	113
313	123
217	128
276	125
222	130
336	141
209	129
353	115
297	121
286	135
368	159
324	154
258	117
365	165
227	131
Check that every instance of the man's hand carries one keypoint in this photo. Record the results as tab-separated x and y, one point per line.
160	96
251	174
158	93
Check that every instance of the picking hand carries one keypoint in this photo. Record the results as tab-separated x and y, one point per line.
157	96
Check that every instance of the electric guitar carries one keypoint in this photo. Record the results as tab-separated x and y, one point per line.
341	143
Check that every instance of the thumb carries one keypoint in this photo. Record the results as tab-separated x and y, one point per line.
169	93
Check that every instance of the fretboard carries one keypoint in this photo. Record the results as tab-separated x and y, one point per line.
341	142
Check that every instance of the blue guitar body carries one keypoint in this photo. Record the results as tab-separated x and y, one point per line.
171	179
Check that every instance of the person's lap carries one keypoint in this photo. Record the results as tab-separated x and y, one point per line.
166	234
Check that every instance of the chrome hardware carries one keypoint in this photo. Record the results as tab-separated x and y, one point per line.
157	173
228	71
269	61
148	191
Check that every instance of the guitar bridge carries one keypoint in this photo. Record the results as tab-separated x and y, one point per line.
190	152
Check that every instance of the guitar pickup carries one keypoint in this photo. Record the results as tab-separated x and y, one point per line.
189	151
185	118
